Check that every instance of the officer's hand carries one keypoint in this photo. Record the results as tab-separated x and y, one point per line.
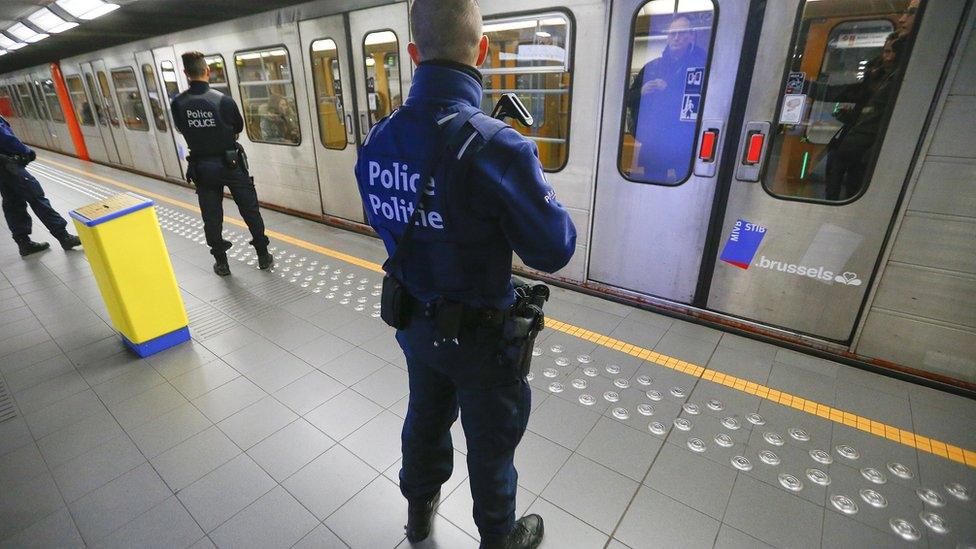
31	156
654	85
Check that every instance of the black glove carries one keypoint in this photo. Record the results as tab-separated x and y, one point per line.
29	157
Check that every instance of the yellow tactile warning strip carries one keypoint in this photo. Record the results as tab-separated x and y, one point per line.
901	436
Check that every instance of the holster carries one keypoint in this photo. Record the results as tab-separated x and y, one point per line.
395	303
523	325
232	159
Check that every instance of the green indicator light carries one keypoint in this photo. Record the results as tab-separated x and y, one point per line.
806	161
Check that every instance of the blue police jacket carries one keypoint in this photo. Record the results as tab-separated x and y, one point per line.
9	143
462	244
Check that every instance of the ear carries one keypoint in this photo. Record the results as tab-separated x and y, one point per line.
482	51
414	52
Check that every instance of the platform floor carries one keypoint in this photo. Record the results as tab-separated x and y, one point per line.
278	426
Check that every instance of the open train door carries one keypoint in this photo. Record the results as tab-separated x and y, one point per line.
161	123
838	100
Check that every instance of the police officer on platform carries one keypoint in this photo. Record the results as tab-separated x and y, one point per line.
19	190
453	192
210	122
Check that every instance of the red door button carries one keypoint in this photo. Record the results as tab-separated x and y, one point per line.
709	143
754	148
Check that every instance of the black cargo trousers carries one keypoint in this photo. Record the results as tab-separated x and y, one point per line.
210	176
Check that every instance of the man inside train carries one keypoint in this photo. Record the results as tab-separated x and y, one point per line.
210	121
663	111
453	192
19	189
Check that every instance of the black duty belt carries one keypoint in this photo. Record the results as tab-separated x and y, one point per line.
471	316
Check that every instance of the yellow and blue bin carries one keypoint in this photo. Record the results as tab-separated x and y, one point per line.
128	256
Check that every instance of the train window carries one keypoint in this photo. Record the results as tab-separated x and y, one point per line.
130	99
6	103
155	103
328	94
79	100
531	56
51	99
847	64
671	42
218	73
107	99
381	54
168	71
38	96
26	101
268	96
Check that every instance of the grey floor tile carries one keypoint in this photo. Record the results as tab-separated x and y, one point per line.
565	530
109	366
874	451
179	360
110	507
97	467
384	386
169	429
320	538
147	406
230	340
308	392
638	333
872	403
284	328
360	330
225	491
64	413
692	480
353	366
48	392
772	515
57	530
16	344
378	441
190	460
274	376
386	347
24	378
128	385
28	357
76	439
373	518
562	422
614	445
26	503
256	422
166	525
655	520
204	379
290	449
254	355
228	399
14	434
329	481
730	538
754	366
343	414
443	534
21	465
274	520
841	532
537	460
591	492
322	349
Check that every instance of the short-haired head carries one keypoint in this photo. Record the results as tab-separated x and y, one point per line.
447	30
194	65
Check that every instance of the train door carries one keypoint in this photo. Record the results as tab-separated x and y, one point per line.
60	135
169	80
112	112
161	127
139	121
833	119
327	69
85	114
103	117
45	133
669	88
31	123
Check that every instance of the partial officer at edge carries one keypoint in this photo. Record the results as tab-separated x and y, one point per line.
19	190
452	192
210	121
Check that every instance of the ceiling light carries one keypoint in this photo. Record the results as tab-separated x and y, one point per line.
47	21
3	52
86	9
9	44
382	37
26	34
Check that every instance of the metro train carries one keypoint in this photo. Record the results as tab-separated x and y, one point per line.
796	169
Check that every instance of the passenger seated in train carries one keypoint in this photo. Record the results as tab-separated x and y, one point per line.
279	121
656	102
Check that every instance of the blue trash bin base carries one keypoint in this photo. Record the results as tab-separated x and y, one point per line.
158	344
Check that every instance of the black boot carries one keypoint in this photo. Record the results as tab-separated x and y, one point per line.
28	247
265	260
69	241
527	534
221	267
420	515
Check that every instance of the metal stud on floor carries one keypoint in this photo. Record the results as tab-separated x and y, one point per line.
590	371
873	475
691	408
741	463
587	400
905	529
555	387
799	434
644	380
847	452
818	477
873	498
715	405
958	491
621	413
584	359
790	482
934	521
557	348
654	395
731	423
821	456
773	438
900	470
611	396
645	409
679	392
612	369
844	504
724	440
657	428
755	419
769	457
621	383
930	496
683	424
696	445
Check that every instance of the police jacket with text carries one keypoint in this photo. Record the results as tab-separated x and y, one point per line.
208	119
9	143
461	247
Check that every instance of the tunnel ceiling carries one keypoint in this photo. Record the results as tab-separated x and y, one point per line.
133	21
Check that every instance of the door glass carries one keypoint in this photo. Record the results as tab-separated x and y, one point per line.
130	99
152	90
530	56
107	98
26	101
168	71
38	96
218	73
847	63
328	94
51	98
268	96
99	112
381	52
666	78
79	100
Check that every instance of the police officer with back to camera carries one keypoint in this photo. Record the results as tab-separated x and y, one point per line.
19	190
453	192
210	122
